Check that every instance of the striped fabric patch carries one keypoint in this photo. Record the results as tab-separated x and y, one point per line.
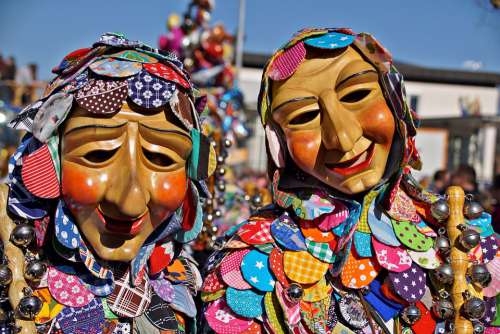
39	175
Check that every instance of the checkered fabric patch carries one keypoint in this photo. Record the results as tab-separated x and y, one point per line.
320	250
125	300
302	267
256	232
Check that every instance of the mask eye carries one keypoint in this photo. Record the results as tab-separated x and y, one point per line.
355	96
305	117
100	156
159	159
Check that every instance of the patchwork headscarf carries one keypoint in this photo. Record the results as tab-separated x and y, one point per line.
284	62
100	79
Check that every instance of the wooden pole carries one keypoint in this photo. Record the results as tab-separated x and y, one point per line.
458	257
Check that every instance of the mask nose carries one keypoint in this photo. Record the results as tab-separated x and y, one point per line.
127	195
340	129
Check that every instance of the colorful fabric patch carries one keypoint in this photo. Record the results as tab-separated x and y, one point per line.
92	264
24	119
291	310
50	307
65	228
287	234
352	311
39	173
494	287
321	251
148	91
428	259
285	64
68	289
102	96
314	315
230	271
409	236
125	300
212	283
274	313
163	289
381	226
99	287
362	243
358	272
115	68
313	233
88	319
402	208
338	216
330	41
246	303
256	232
391	258
161	257
183	300
409	284
276	265
78	82
224	321
483	225
489	246
161	315
168	73
51	114
302	267
134	56
387	308
316	292
255	270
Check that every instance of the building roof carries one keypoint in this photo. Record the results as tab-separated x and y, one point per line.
411	72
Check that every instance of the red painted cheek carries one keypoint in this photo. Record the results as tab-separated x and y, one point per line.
169	189
378	123
304	147
80	186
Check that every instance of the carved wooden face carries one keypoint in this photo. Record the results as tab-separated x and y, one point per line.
122	176
337	124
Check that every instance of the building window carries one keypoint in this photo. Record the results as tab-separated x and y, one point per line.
414	102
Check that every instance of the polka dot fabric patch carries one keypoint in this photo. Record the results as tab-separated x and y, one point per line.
255	270
246	303
166	72
224	321
102	96
212	283
362	243
276	265
285	64
391	258
148	91
114	68
68	289
409	236
302	267
230	271
65	228
409	284
358	272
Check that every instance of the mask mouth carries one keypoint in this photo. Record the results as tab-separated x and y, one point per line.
354	165
128	227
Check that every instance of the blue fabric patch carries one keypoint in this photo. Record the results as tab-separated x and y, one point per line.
287	234
82	320
246	303
183	300
148	91
387	308
331	40
65	228
363	244
255	270
99	287
381	226
483	225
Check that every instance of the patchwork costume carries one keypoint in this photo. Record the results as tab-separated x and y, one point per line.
319	261
80	293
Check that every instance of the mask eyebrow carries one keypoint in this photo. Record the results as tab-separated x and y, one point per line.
177	132
95	126
354	76
297	99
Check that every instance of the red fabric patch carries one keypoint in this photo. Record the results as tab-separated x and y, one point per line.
166	72
160	257
189	212
426	324
39	175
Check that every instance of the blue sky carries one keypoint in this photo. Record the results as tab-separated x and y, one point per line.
435	33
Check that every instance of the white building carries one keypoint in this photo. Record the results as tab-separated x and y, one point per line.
459	112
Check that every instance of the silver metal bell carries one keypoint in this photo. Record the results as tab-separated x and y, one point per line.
228	143
442	244
478	328
34	271
474	308
221	171
440	209
22	235
469	238
443	309
29	306
294	292
411	314
479	274
257	200
472	209
444	273
5	275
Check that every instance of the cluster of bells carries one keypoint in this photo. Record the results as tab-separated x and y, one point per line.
473	308
23	236
213	206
